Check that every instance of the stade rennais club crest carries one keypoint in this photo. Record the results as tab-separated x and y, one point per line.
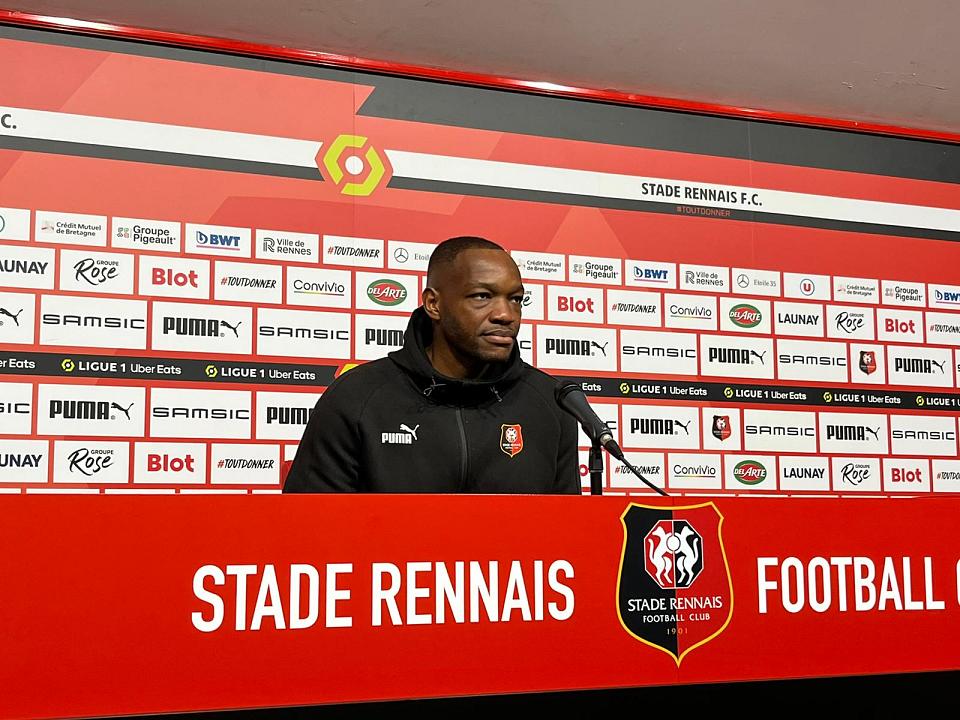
674	591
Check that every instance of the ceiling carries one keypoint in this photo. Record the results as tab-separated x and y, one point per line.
886	63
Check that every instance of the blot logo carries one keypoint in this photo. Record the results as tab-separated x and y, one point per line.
352	156
674	591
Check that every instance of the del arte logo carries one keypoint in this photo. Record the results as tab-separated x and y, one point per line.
745	315
386	292
750	472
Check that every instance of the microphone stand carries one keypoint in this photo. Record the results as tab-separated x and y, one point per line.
595	463
596	480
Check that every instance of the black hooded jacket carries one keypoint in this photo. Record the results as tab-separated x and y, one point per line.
396	425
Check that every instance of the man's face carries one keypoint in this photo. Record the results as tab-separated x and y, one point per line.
478	302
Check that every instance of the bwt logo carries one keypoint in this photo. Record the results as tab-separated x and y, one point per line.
231	242
588	348
649	274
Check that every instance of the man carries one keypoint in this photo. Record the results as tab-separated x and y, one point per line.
455	409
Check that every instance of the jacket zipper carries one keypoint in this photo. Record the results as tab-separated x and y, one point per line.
464	458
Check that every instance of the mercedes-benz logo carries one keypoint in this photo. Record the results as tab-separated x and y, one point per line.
742	280
401	255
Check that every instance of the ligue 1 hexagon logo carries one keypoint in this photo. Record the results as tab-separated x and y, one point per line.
674	591
353	165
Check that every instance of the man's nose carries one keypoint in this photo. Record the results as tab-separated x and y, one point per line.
505	311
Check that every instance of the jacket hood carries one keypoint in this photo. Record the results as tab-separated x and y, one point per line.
495	379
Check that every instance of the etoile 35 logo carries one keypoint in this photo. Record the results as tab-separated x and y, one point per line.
674	591
353	165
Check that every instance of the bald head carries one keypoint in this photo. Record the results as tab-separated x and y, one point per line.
446	253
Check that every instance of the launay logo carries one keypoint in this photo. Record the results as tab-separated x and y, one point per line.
674	591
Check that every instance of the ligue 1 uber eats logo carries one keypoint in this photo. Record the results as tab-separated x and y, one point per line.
674	591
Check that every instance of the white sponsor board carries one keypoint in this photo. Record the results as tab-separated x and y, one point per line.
181	413
609	413
170	463
650	465
779	431
93	322
804	319
902	475
403	255
541	266
378	335
283	415
248	282
391	293
855	433
235	464
746	316
856	290
24	461
140	234
219	240
868	364
943	328
927	366
96	272
90	410
806	286
189	327
721	428
70	228
804	473
855	474
319	287
923	435
596	270
174	277
691	312
898	292
634	307
705	278
899	325
533	301
811	360
944	296
946	476
755	282
565	347
16	408
91	461
287	246
849	322
661	426
646	273
666	353
27	267
750	473
358	252
17	318
694	471
14	224
736	357
303	333
574	304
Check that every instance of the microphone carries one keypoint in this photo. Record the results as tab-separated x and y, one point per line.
571	398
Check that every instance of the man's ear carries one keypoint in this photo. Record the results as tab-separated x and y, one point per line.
431	303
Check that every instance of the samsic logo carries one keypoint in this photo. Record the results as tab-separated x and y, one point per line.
302	333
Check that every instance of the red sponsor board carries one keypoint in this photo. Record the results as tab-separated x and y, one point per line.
440	596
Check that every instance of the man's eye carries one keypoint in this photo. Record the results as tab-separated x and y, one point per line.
517	299
481	296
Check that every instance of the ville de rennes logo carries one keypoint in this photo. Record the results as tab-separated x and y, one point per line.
674	591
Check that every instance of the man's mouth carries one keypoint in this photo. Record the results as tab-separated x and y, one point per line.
503	338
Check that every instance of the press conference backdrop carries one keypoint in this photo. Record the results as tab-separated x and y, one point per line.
193	245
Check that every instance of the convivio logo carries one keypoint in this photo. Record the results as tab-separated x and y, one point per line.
745	316
750	472
386	292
